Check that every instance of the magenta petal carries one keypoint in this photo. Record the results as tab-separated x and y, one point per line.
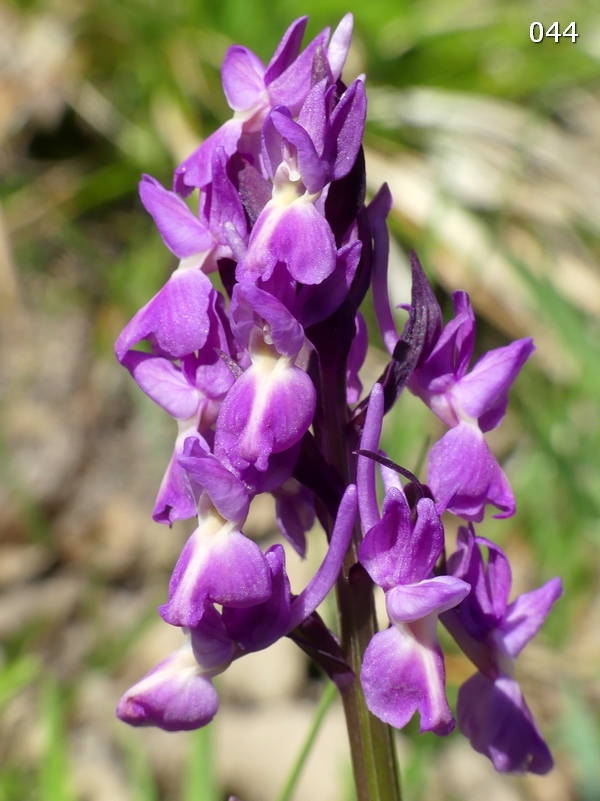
174	500
344	133
174	696
339	45
165	383
177	316
415	601
483	393
295	137
296	235
228	494
196	170
268	409
250	306
182	232
291	87
449	359
382	548
524	617
494	717
243	76
464	475
258	626
220	565
212	646
287	49
401	676
394	551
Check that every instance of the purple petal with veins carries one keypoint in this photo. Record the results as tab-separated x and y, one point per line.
344	133
252	307
175	500
220	565
464	475
291	87
259	626
483	392
176	316
412	602
268	409
296	235
205	472
524	617
174	695
403	673
182	232
165	383
243	76
196	170
287	49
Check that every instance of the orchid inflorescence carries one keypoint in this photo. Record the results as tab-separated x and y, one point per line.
263	381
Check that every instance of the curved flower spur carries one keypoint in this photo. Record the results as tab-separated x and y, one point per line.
263	383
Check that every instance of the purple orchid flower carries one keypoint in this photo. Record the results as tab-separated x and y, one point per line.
463	474
252	90
192	394
178	694
403	667
271	405
491	710
176	319
300	158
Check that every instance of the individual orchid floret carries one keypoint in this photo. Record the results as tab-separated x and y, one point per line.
190	392
480	396
217	565
301	161
403	667
176	319
179	694
176	695
271	405
463	474
491	709
252	90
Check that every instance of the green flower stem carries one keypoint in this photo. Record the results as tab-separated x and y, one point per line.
372	746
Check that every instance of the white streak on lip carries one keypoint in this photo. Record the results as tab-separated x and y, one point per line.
211	524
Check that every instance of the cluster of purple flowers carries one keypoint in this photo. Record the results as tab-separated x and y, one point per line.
262	379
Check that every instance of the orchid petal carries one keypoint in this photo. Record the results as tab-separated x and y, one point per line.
401	675
176	316
525	616
182	232
174	696
494	717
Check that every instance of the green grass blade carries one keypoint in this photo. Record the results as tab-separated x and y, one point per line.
329	694
54	774
200	782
